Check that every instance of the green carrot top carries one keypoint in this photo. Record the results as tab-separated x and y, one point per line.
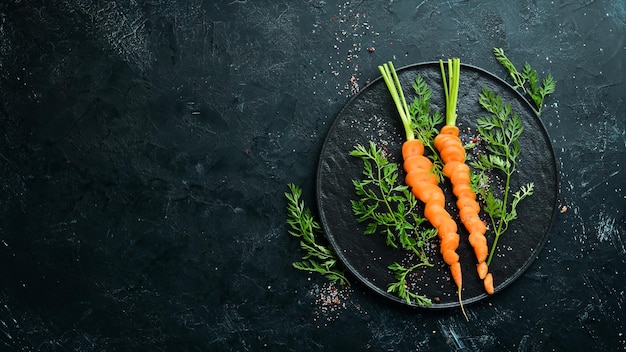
393	84
451	88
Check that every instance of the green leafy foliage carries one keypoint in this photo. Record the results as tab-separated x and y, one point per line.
400	287
527	80
424	123
387	205
318	258
389	208
501	131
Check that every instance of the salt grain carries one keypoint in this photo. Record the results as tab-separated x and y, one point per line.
330	301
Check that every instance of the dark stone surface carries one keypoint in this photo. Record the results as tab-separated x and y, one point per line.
146	146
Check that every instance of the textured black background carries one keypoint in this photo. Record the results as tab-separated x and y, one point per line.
146	146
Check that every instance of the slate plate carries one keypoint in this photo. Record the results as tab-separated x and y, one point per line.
372	116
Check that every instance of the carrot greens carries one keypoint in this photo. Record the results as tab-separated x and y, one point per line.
400	287
318	258
386	205
424	122
501	131
527	80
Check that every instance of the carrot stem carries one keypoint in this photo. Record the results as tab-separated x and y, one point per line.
395	88
451	88
501	226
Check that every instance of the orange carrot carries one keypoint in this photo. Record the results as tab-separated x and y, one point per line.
421	175
427	190
412	147
456	275
452	153
416	162
483	270
424	183
489	284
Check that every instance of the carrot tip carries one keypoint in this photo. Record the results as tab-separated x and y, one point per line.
488	282
482	269
461	304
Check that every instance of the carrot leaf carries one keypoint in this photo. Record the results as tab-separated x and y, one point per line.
400	287
517	77
317	258
389	208
424	122
500	131
527	80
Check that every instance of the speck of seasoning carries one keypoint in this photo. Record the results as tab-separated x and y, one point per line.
371	49
330	301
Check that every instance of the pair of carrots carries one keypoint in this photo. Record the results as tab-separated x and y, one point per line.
424	184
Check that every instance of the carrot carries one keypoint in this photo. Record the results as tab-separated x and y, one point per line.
424	183
421	175
489	284
483	270
416	162
452	153
412	147
456	274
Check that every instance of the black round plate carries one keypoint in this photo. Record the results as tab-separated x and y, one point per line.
372	116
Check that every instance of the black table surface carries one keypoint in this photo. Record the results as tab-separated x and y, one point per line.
147	145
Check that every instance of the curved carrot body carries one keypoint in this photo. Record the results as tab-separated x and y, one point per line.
424	186
452	153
